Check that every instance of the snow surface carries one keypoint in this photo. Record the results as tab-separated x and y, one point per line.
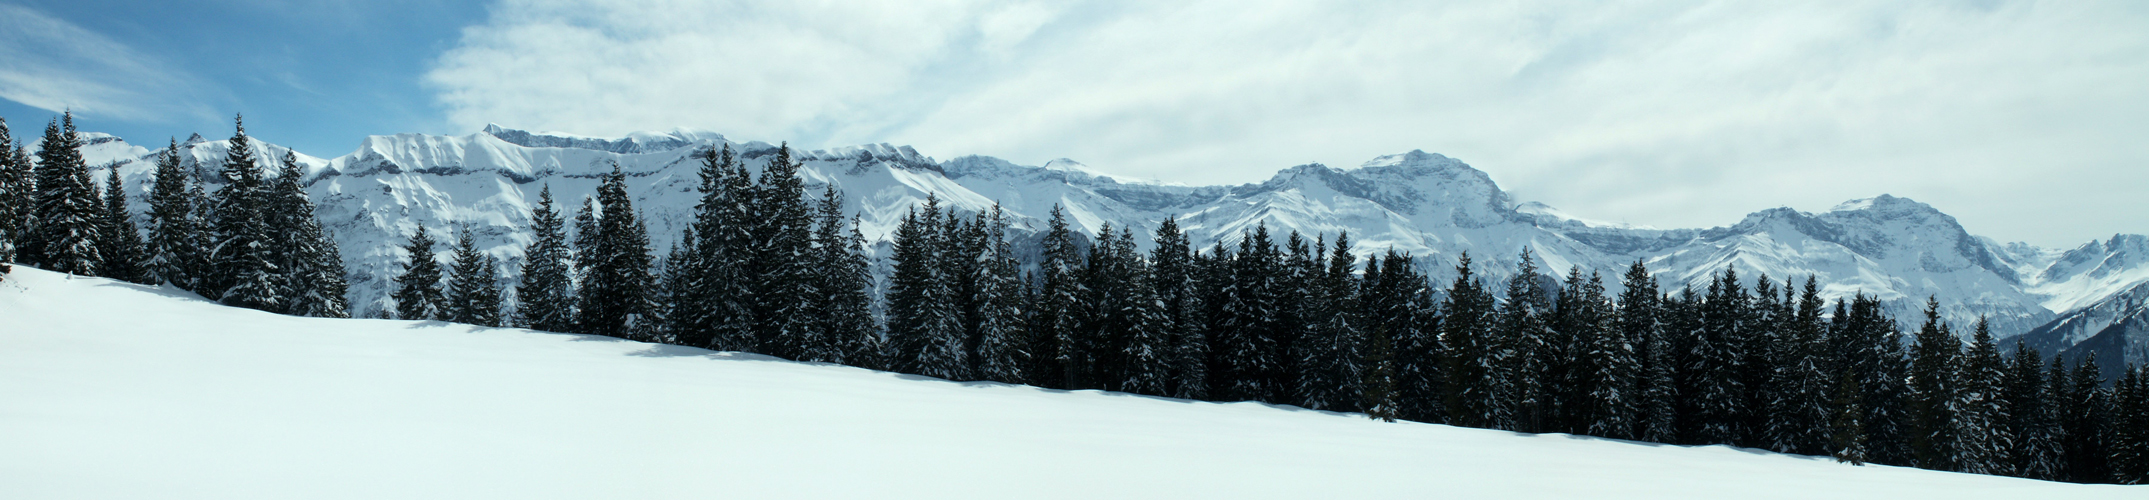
111	390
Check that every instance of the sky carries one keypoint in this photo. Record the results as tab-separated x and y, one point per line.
2026	120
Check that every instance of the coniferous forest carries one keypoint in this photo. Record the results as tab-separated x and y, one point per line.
769	267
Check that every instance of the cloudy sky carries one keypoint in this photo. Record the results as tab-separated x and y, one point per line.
2029	121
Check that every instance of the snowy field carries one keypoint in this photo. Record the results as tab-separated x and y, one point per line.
110	390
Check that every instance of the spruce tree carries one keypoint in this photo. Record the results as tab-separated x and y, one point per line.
843	317
1335	354
2083	420
245	259
1407	314
778	256
1799	412
1640	322
1144	352
2130	427
2028	409
1932	392
1719	400
1526	350
1981	437
473	294
717	309
310	266
120	243
1176	283
417	294
1613	406
15	185
1846	431
615	294
1244	341
1473	362
924	328
1000	352
67	220
1053	353
545	296
176	237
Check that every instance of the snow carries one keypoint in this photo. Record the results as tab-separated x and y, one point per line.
180	398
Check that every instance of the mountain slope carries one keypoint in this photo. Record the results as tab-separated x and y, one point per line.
1430	205
181	398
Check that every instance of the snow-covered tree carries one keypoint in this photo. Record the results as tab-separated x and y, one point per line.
177	238
64	228
417	289
616	285
119	241
245	256
473	294
1982	440
545	296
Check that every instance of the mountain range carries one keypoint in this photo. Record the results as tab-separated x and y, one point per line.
1429	205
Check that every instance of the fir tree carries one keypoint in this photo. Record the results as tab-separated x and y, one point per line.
778	256
1932	392
2130	427
15	186
2028	410
65	226
310	266
245	257
545	296
1981	437
1719	400
417	294
120	243
924	329
1640	321
1799	412
2083	420
1175	281
176	236
1404	309
1053	353
1846	434
1144	351
1473	363
1612	404
717	308
473	294
851	303
1244	342
1525	345
1333	359
1001	339
615	293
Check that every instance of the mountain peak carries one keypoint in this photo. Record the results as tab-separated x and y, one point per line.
194	139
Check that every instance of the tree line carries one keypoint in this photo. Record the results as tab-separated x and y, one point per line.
253	243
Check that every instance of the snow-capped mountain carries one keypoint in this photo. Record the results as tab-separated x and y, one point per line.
1429	205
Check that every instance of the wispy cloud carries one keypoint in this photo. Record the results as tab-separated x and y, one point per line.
55	65
1664	112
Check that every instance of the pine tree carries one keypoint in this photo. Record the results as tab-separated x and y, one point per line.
1981	438
1244	335
851	311
924	327
1175	281
473	294
1001	339
1614	406
2130	427
175	230
15	185
1475	356
119	242
1334	356
2028	409
1760	355
1053	353
545	296
615	293
65	227
1932	392
417	294
1525	342
716	309
2084	415
1799	413
1640	321
245	258
1846	436
778	256
1144	352
1410	318
843	317
311	279
1719	363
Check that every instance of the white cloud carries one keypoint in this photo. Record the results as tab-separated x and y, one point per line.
1669	113
54	65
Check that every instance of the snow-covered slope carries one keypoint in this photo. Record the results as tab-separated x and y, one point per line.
181	398
1430	205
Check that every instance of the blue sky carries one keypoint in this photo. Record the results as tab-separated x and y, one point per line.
2023	118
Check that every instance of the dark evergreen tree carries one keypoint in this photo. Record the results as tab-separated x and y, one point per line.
417	294
1176	281
1640	321
15	187
1525	342
545	296
2130	427
1474	354
1981	437
614	297
924	328
1719	400
1760	355
176	234
1407	312
2028	410
2083	420
1002	341
1243	336
119	242
1611	406
1143	350
1846	431
1053	353
1932	392
779	256
1335	356
67	220
245	256
473	295
1799	413
309	264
